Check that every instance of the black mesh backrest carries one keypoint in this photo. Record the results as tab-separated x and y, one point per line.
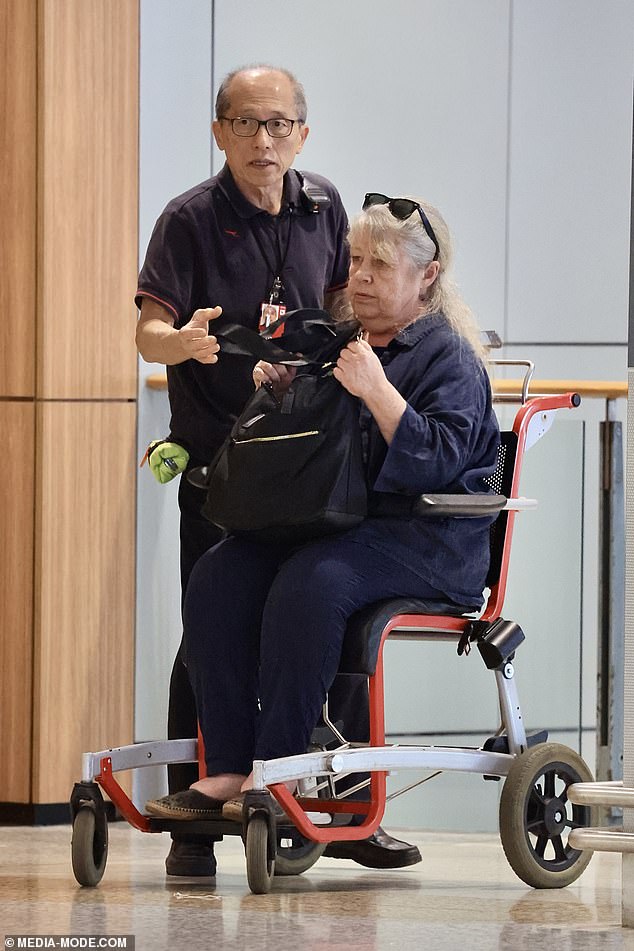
501	481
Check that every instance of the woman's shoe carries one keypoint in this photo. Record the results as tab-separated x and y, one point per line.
232	809
187	804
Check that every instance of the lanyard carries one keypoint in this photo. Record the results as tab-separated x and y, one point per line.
277	267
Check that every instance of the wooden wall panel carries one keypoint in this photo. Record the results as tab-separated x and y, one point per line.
68	263
17	196
85	584
88	171
17	421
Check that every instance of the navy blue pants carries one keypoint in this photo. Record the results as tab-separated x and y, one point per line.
264	628
348	694
197	535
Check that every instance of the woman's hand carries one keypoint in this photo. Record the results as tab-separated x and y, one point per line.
359	370
277	374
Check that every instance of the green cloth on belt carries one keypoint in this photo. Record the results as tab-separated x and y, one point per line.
166	459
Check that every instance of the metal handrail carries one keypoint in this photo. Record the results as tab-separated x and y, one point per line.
606	839
530	369
612	793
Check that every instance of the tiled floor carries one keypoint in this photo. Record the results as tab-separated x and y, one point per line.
462	896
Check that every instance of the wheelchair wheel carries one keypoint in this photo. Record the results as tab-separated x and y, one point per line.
295	853
89	845
536	816
260	862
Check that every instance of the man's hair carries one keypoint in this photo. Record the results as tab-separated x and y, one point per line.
223	99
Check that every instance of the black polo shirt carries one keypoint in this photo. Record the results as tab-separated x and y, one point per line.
212	247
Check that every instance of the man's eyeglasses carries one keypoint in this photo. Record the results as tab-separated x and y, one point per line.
248	127
401	209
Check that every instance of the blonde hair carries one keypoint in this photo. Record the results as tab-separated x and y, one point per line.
387	234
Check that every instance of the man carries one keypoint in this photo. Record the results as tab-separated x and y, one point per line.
255	240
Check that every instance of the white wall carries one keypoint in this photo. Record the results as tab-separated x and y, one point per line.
569	171
405	97
514	117
175	153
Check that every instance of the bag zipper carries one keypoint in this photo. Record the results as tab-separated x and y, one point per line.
310	432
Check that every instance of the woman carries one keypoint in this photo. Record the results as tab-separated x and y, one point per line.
263	653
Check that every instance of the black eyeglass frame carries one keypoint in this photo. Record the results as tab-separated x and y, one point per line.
261	122
408	207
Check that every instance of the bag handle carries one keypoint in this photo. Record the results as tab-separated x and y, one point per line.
311	338
243	342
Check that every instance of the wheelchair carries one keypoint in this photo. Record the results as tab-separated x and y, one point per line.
535	814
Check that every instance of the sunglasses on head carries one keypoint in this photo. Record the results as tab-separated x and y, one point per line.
401	209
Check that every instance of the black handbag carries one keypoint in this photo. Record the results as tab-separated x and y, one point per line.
292	467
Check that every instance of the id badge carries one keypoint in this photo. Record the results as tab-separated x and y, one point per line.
269	313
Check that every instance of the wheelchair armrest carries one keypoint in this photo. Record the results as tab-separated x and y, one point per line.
469	506
461	506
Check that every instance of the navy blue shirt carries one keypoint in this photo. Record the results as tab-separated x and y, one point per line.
446	441
211	247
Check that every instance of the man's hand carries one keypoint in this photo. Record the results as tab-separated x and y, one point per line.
195	339
158	341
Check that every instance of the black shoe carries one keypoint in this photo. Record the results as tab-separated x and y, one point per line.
379	851
190	859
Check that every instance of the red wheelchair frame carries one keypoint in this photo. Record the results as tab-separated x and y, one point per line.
535	814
